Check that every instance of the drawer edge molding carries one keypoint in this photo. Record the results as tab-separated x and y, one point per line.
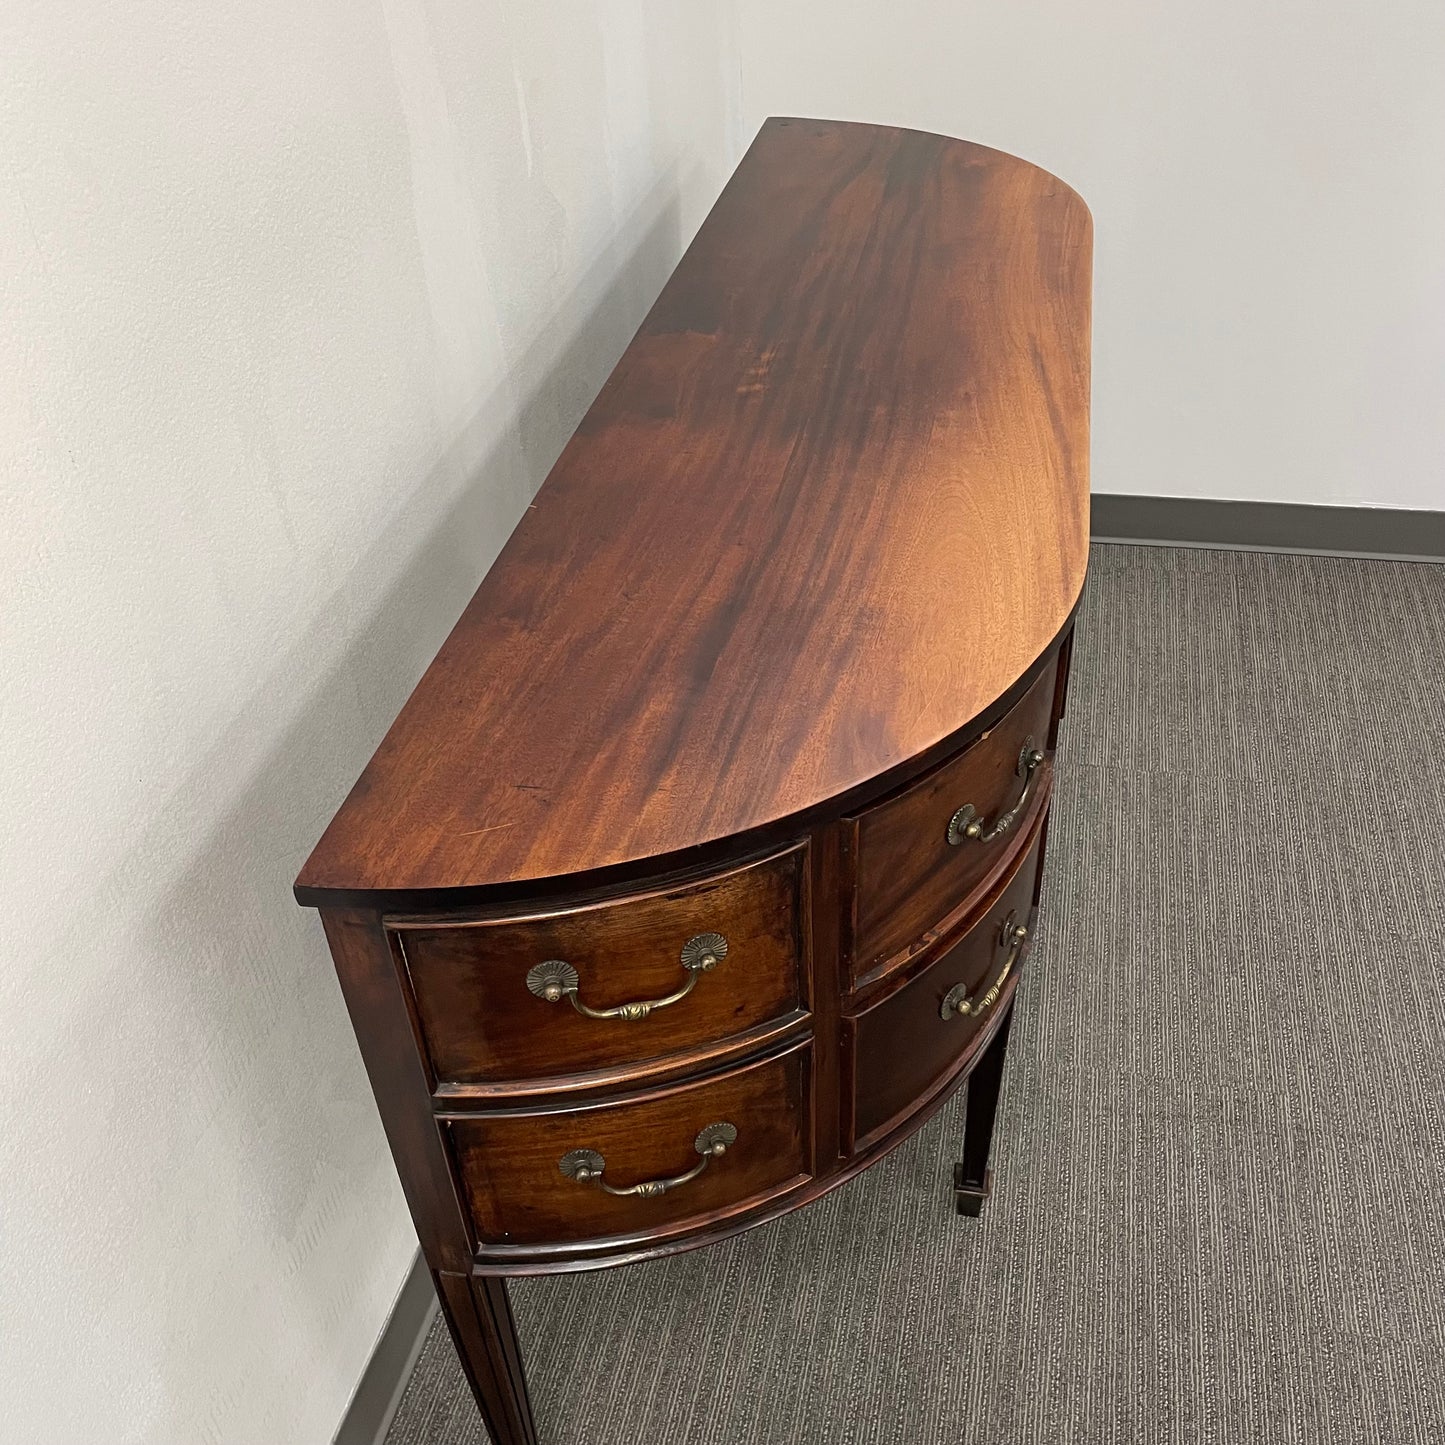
732	1051
644	1092
603	1251
537	908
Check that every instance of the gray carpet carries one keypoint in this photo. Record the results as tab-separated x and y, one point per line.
1220	1154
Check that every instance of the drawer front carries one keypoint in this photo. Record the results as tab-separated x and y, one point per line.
915	865
537	1178
482	1020
904	1045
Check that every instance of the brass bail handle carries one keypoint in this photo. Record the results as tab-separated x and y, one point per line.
956	1002
556	979
965	825
586	1165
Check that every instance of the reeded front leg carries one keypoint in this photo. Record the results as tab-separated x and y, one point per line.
972	1178
479	1315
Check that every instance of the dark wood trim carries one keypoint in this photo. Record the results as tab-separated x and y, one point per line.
972	1178
458	1105
1061	687
598	1251
825	905
530	911
479	1315
580	1089
378	1001
1389	532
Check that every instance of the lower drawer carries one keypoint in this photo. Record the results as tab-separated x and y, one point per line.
908	1042
652	1162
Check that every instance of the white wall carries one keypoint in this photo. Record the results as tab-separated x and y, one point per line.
1266	187
297	303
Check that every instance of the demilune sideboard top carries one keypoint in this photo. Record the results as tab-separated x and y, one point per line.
702	864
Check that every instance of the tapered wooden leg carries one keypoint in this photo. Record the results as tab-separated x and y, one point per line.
972	1178
479	1316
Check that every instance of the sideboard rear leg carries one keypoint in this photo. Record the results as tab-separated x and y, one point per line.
479	1315
972	1178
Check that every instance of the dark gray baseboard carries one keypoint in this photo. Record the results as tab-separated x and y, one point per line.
1402	533
388	1370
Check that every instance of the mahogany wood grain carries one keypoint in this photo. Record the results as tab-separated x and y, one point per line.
724	1224
377	1000
972	1178
901	1043
580	1089
910	879
830	505
1061	691
828	896
797	589
508	1163
479	1317
480	1022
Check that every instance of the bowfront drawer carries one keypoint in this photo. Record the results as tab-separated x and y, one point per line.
651	1164
617	984
907	1044
920	854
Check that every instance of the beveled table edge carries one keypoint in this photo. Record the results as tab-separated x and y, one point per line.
666	869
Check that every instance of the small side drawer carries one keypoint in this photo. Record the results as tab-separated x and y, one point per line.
482	1021
520	1174
912	868
904	1045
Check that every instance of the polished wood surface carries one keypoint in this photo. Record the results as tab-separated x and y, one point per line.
479	1316
518	1195
972	1178
829	506
801	587
377	999
901	1044
480	1022
911	881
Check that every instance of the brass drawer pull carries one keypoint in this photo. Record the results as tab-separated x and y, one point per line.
586	1165
966	823
957	1004
556	979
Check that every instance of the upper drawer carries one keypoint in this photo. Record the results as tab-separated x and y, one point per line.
920	854
518	998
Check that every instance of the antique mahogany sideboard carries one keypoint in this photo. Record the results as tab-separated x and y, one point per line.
701	866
